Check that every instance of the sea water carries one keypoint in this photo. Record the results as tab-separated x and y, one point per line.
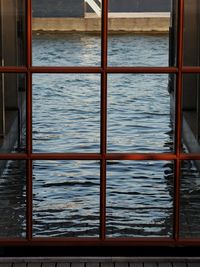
66	119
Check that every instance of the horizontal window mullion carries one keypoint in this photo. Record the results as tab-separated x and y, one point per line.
70	69
13	156
190	69
65	156
95	241
122	69
98	156
90	156
91	241
142	70
189	156
140	156
13	69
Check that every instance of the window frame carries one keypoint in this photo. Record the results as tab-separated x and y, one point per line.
178	156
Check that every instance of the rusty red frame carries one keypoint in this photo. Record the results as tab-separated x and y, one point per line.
103	156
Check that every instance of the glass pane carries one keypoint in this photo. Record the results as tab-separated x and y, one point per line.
191	114
190	199
66	32
66	198
12	198
139	199
139	117
191	33
66	113
12	112
141	34
12	33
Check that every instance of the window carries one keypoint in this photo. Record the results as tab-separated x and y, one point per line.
91	163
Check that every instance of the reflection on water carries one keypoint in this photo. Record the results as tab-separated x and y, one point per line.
66	118
138	50
66	49
13	199
190	199
138	113
66	113
66	198
125	50
139	198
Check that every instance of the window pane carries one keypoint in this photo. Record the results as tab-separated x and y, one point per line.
12	112
190	200
66	32
190	118
66	198
66	113
12	198
141	50
139	199
191	33
139	117
12	32
139	33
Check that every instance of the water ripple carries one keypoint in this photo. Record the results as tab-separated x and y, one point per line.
66	118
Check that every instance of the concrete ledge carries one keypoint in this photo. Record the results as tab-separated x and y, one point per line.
132	15
133	22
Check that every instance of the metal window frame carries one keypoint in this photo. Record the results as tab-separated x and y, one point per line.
103	156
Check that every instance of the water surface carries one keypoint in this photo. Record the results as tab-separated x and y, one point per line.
66	118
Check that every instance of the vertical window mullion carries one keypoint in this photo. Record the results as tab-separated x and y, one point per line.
104	40
178	124
29	119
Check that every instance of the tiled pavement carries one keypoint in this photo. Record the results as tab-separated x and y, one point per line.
98	262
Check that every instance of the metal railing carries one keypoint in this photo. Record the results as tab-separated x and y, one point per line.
93	5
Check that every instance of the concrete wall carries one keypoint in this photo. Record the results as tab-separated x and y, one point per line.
139	5
142	23
58	8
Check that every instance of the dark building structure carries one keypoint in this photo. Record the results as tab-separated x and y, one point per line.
12	85
60	8
139	6
191	82
77	8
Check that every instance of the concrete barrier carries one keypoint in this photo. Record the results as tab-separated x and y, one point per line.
117	22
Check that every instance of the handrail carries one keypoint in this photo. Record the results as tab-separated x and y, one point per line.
94	6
